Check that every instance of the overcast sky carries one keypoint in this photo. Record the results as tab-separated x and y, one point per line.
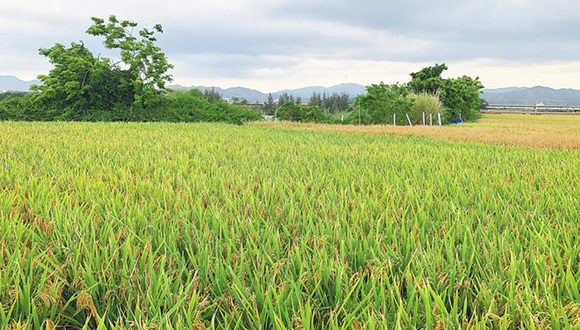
272	45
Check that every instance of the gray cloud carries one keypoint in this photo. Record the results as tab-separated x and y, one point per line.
248	39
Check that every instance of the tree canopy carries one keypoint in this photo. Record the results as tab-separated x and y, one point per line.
80	82
379	104
461	96
428	79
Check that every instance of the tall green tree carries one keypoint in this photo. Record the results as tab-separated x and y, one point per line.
81	83
269	106
147	64
213	95
315	99
284	97
460	96
428	79
335	102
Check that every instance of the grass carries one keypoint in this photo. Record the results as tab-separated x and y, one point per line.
428	105
127	225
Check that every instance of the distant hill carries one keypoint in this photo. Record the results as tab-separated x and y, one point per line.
11	83
306	92
303	93
240	92
532	96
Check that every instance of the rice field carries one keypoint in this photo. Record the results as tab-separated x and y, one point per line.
545	131
192	226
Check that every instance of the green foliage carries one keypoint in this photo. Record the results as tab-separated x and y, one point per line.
284	97
84	87
289	111
24	108
196	92
379	104
147	65
331	103
336	102
315	99
212	95
295	112
461	96
270	105
80	83
175	106
180	106
10	95
428	79
453	98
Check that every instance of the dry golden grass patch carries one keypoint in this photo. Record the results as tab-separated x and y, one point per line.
546	131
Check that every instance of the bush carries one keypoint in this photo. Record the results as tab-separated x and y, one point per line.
296	112
180	106
380	103
461	97
10	95
175	106
25	109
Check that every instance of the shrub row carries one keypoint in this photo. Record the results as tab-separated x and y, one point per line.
175	106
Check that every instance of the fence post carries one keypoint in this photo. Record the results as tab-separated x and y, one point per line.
409	119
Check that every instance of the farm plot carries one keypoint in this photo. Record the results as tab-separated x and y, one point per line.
126	225
545	131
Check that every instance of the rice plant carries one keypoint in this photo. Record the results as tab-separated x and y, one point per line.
170	226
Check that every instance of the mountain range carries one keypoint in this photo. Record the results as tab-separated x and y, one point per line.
303	93
506	96
13	84
532	96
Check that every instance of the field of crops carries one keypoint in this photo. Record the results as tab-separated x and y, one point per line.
545	131
128	225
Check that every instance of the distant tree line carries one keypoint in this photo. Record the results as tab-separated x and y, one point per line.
331	103
328	103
